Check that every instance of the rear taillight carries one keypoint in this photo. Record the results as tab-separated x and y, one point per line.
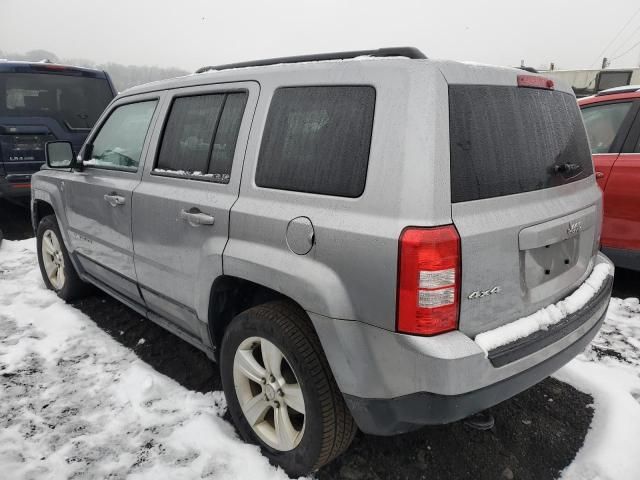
533	81
428	280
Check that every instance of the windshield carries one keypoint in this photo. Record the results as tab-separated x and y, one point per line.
74	101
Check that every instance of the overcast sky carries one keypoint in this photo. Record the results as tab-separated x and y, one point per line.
192	33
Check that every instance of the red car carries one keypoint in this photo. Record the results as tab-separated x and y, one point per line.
613	126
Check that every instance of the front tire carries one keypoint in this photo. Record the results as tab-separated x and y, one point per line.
280	390
56	268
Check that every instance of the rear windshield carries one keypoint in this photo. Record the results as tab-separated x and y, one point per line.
75	101
507	140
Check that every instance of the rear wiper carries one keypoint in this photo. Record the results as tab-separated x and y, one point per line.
566	168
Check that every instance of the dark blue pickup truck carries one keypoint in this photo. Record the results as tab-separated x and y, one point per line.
41	102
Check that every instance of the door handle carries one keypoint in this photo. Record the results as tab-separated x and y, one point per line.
195	217
599	174
114	199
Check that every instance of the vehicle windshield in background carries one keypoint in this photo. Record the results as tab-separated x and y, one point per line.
75	101
508	140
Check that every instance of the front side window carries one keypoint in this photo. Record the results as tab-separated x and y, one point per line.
602	123
119	142
317	140
200	136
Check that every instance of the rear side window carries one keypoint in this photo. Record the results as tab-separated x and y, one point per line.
508	140
317	140
200	136
602	123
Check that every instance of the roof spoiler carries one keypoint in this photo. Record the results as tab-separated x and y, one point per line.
409	52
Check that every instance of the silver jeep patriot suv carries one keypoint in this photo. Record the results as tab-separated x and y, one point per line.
368	240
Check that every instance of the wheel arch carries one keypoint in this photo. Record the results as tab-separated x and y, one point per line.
230	296
39	210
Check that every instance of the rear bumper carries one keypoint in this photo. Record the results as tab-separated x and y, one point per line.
15	186
406	413
395	383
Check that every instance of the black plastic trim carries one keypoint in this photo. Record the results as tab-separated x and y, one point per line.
151	315
632	143
167	299
409	52
633	129
526	346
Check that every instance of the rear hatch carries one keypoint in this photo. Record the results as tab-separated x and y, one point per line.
22	148
45	102
524	198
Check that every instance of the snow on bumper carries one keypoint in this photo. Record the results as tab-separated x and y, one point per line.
548	316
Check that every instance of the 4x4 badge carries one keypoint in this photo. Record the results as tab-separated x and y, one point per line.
484	293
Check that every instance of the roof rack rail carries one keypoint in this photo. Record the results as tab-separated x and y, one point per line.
410	52
622	89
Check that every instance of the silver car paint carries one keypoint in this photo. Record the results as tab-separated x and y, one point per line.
175	260
350	273
347	281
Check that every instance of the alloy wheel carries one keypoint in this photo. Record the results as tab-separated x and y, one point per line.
53	259
269	394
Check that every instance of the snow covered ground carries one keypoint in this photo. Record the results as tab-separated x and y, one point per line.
74	403
609	370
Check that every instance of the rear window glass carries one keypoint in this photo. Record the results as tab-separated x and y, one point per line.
201	134
602	123
317	140
508	140
75	101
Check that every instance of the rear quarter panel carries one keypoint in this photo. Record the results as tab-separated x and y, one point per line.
350	273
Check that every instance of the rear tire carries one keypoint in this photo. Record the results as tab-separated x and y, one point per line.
56	268
325	429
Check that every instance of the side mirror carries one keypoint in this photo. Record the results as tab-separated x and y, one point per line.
59	155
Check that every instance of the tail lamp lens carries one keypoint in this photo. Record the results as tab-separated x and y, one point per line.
428	280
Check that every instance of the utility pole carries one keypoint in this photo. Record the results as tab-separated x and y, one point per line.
552	66
605	63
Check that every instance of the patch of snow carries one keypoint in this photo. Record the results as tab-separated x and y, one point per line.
76	404
97	162
218	177
609	370
197	173
545	317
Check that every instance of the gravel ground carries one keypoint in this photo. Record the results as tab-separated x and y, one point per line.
14	221
536	435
